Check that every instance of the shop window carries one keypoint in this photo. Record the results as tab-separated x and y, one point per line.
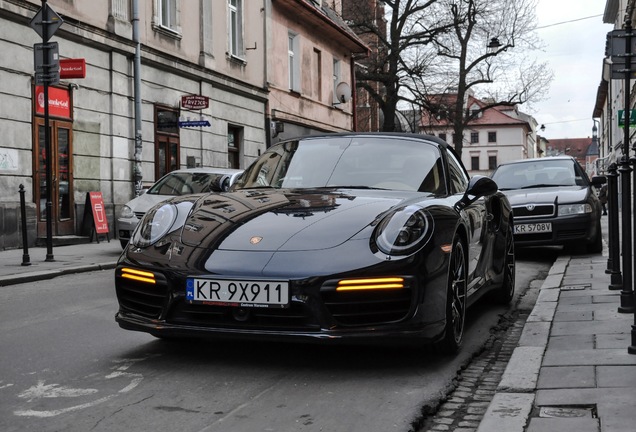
234	135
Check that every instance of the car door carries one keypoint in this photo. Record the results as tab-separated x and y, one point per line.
475	216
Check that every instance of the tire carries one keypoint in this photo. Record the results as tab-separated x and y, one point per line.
596	245
455	300
123	243
504	294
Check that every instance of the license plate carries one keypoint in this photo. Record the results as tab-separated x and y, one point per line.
532	228
238	293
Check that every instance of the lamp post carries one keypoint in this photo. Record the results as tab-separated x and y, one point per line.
627	294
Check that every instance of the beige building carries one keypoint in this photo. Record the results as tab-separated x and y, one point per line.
168	84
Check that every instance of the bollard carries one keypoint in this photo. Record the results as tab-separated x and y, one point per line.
613	264
26	260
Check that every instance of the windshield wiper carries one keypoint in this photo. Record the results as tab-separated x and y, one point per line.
539	186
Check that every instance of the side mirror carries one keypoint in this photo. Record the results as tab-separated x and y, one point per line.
478	186
598	180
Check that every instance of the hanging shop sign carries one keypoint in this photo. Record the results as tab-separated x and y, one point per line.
195	102
72	68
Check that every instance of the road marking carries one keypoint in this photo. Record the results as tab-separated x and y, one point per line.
43	390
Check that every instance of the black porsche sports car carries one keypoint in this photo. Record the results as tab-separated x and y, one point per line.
350	237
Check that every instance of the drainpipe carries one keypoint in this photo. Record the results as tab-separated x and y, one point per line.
137	175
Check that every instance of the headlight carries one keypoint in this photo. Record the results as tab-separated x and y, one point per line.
574	209
404	231
126	212
159	221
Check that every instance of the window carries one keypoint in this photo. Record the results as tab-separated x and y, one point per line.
167	15
492	137
458	176
234	147
235	27
442	136
317	75
474	137
167	143
475	111
474	163
492	162
336	79
294	62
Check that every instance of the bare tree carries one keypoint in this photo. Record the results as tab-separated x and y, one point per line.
395	31
486	53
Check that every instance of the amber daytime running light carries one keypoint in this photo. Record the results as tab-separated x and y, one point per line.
370	284
138	275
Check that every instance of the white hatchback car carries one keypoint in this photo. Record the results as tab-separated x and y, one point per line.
178	182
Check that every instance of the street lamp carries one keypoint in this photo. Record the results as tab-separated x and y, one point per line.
494	43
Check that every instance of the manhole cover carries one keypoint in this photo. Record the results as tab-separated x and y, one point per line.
567	412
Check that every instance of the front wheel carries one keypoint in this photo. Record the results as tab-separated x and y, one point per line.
455	301
505	293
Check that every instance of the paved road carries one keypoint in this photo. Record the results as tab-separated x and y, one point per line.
66	366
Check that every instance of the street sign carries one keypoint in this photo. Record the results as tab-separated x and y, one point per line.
47	63
46	22
621	118
52	60
618	70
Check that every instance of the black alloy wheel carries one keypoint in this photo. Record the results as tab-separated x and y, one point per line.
456	300
505	293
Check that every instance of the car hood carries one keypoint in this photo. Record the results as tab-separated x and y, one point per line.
556	195
284	220
143	203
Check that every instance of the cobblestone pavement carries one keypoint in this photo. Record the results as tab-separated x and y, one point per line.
476	383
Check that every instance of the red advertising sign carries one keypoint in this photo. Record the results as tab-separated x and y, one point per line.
72	68
59	101
99	213
196	102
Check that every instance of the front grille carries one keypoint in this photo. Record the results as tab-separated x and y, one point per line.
139	215
291	318
358	308
536	211
140	297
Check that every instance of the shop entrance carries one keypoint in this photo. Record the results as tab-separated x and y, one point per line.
62	208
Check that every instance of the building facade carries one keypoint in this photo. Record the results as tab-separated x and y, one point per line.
493	136
211	78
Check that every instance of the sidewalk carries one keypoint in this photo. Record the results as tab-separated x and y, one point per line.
571	371
67	259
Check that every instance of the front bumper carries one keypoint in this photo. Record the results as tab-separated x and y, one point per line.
316	312
566	230
392	335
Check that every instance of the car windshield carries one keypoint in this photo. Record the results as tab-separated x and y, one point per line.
543	173
183	183
351	162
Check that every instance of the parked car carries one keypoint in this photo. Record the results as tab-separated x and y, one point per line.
351	237
175	183
553	202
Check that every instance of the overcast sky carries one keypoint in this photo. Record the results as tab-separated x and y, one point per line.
575	47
